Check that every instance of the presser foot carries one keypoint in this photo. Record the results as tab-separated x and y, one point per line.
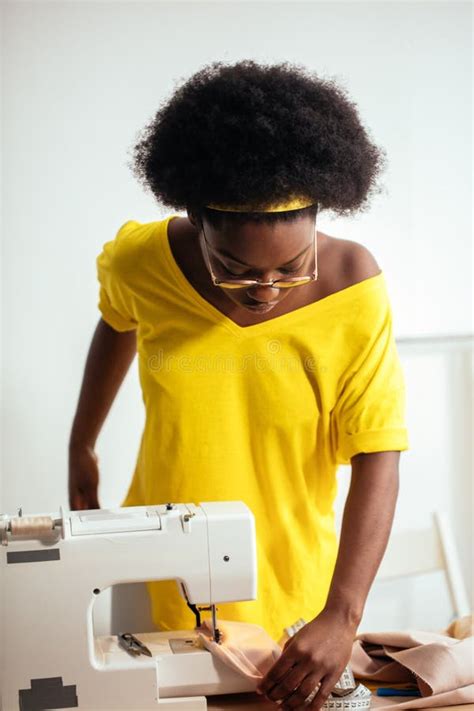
216	634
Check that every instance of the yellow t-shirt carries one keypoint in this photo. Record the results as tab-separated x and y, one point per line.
263	414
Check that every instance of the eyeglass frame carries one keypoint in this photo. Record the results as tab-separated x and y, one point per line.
256	282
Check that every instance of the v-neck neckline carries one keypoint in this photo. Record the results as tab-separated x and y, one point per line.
276	321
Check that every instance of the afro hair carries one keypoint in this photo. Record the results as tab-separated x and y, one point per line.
248	133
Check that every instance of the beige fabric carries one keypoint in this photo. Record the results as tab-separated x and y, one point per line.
461	628
244	647
440	665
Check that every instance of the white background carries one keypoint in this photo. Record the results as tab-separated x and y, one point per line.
79	81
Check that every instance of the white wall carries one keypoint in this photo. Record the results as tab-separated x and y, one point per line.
81	78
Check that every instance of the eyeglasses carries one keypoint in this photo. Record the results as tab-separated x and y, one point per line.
275	283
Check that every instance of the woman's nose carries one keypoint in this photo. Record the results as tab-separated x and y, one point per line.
263	294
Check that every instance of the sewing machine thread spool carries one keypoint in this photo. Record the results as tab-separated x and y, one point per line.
31	526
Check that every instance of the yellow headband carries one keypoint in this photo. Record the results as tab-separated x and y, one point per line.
295	204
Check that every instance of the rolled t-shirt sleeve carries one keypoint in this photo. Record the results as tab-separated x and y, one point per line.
369	415
115	298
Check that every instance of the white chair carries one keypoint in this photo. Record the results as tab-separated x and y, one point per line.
423	551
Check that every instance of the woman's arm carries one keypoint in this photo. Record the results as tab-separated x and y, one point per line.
366	526
109	358
320	651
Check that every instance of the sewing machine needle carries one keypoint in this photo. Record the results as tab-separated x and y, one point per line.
216	635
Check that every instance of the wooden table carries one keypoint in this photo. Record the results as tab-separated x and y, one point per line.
254	702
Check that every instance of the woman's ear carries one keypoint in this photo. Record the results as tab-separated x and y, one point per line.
194	220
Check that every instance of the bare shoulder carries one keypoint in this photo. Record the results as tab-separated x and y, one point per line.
350	260
359	261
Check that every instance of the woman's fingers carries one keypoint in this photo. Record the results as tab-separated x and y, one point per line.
327	685
287	685
81	500
93	499
281	667
298	698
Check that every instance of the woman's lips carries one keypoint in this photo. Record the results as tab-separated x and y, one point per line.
255	306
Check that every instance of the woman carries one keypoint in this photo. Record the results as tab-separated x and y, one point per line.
265	350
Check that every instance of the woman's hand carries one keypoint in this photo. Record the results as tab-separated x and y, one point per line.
316	655
83	478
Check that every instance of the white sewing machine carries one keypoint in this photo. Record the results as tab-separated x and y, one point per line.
52	569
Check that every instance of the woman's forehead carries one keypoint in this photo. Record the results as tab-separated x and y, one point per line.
249	243
254	236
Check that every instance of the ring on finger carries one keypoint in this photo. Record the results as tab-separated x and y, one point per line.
311	696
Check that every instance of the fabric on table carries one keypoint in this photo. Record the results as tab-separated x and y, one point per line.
262	414
245	648
441	666
248	650
461	628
